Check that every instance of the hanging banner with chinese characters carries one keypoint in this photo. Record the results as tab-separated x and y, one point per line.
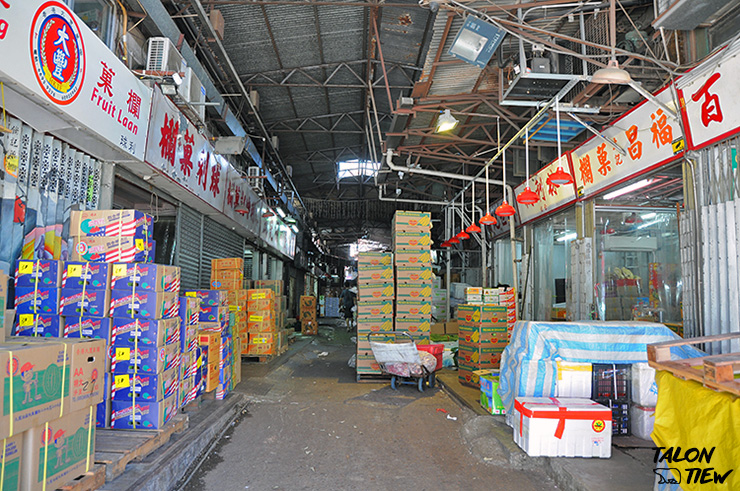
50	54
650	137
175	147
242	204
708	97
551	196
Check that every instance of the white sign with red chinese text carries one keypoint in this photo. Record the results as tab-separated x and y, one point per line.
175	147
646	133
551	196
708	95
242	204
48	52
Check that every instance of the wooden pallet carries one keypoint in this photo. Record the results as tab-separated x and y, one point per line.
372	377
115	449
714	371
88	481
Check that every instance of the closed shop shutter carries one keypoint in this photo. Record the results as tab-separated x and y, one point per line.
188	246
218	241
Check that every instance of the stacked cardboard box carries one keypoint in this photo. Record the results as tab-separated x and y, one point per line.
374	307
228	274
262	322
190	355
145	363
38	286
414	278
48	429
482	338
216	340
307	313
111	236
281	301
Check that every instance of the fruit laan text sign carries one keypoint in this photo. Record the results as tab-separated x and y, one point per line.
551	196
48	52
708	95
175	147
648	135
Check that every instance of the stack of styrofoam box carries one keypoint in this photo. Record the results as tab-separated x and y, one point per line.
644	399
573	379
439	300
307	314
412	252
262	322
374	306
146	345
190	356
51	440
482	339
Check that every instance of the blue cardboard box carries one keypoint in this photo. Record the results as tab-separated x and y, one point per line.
145	386
149	359
82	301
29	300
209	298
144	304
153	332
188	310
156	277
38	272
213	314
91	276
43	325
88	327
142	415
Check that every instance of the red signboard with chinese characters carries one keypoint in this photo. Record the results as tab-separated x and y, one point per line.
175	147
552	197
49	54
647	134
708	95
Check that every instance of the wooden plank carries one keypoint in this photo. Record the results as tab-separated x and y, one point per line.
88	481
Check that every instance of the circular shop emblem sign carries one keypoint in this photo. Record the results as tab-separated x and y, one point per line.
57	52
598	425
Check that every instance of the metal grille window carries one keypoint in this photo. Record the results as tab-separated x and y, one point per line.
218	241
188	246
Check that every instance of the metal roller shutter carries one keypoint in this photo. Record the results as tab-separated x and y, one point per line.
218	241
189	227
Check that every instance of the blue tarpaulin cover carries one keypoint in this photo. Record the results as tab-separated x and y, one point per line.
529	362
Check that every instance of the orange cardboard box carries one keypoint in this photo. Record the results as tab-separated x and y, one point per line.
227	263
263	304
308	302
227	284
212	374
267	325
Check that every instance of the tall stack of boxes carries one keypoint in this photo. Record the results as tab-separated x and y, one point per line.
412	251
190	353
307	313
262	322
47	421
37	290
374	307
145	361
482	338
228	274
216	341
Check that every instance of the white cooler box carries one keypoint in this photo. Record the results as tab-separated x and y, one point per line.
562	427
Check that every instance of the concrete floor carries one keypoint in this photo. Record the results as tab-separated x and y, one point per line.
310	425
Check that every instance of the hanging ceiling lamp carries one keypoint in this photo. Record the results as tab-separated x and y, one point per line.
446	122
527	197
454	239
473	228
612	74
505	209
559	177
489	219
446	243
463	235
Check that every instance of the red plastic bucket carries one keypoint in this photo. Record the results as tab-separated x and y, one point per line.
434	349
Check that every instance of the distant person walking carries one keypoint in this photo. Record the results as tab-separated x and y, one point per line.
348	301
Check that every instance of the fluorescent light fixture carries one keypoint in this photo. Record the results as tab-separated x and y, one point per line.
648	216
280	212
476	42
565	237
177	78
446	122
294	228
629	189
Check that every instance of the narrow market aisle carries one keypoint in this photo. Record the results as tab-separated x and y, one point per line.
310	425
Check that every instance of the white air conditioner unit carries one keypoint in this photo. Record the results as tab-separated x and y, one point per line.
162	56
191	90
255	178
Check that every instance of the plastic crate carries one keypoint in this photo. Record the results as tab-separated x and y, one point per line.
611	381
621	419
434	349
